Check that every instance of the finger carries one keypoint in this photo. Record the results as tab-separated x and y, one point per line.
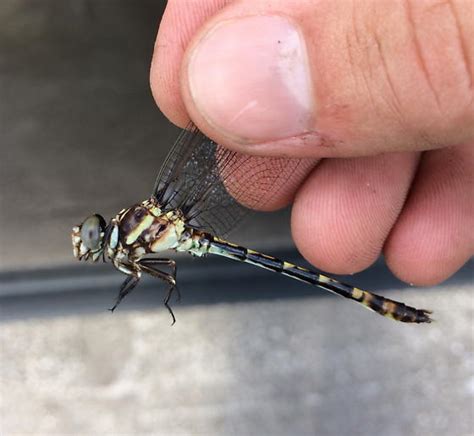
346	208
278	77
180	21
434	235
255	182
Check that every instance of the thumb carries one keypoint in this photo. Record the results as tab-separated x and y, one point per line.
323	79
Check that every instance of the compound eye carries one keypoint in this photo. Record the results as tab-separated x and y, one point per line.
90	232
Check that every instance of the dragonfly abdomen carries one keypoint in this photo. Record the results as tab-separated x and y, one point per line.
381	305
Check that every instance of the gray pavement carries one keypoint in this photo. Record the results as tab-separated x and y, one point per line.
251	354
308	366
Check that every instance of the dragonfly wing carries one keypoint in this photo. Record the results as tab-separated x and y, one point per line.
215	187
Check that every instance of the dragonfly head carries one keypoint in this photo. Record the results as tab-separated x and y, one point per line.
87	238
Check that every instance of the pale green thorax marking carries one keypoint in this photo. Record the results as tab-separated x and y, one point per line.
137	231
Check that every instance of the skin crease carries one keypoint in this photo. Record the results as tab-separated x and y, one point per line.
393	86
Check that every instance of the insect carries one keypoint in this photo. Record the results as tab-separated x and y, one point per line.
201	193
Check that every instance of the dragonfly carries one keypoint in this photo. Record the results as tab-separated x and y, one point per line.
202	192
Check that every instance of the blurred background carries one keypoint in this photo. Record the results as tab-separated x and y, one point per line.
251	353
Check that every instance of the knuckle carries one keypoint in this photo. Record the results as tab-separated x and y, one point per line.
442	54
415	63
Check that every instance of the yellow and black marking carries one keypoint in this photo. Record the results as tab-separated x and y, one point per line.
383	306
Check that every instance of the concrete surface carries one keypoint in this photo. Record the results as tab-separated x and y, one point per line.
310	366
251	354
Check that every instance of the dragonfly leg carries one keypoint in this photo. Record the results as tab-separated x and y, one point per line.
145	266
167	262
166	303
127	286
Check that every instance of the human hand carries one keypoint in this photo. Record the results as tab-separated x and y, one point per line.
384	87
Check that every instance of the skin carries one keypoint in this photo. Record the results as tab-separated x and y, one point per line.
394	174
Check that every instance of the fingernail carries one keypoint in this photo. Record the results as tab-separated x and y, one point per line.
250	79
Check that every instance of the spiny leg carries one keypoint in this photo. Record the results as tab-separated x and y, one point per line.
127	286
166	302
167	262
168	278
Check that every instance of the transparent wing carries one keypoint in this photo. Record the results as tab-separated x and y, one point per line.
215	187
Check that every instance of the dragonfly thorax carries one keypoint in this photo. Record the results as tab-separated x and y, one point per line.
145	229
